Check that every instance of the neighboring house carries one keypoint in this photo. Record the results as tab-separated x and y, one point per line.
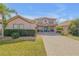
45	24
65	26
19	22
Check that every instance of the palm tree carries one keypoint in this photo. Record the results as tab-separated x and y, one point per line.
5	11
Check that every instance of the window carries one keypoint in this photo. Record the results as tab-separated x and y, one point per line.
15	26
51	22
18	26
45	21
21	26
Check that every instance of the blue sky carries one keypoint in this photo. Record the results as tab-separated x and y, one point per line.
34	10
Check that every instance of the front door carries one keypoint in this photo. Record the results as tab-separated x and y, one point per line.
46	29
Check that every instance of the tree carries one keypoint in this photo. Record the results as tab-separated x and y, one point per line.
74	27
5	11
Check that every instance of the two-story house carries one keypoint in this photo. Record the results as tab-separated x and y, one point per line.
45	24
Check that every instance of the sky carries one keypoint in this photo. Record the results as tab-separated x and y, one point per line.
61	11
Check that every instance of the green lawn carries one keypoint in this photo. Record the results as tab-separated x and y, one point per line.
22	48
73	37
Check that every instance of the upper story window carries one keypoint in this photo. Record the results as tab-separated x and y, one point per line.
45	21
18	26
51	22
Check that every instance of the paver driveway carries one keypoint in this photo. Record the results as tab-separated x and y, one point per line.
57	45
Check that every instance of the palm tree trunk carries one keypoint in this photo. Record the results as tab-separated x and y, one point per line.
2	26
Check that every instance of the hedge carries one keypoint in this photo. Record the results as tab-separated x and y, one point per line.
22	32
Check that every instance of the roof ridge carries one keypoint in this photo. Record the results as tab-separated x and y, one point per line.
18	16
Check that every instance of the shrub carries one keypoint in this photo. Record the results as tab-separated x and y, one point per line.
22	32
59	29
15	35
74	27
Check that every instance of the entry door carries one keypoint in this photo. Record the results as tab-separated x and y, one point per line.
46	29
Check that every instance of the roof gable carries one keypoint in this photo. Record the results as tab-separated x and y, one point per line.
18	16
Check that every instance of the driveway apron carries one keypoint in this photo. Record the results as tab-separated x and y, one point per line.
57	45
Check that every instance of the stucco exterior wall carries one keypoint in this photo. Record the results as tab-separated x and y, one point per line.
26	25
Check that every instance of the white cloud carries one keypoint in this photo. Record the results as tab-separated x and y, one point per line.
30	17
61	20
64	19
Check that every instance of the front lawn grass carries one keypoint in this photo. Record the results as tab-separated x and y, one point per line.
22	48
73	37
